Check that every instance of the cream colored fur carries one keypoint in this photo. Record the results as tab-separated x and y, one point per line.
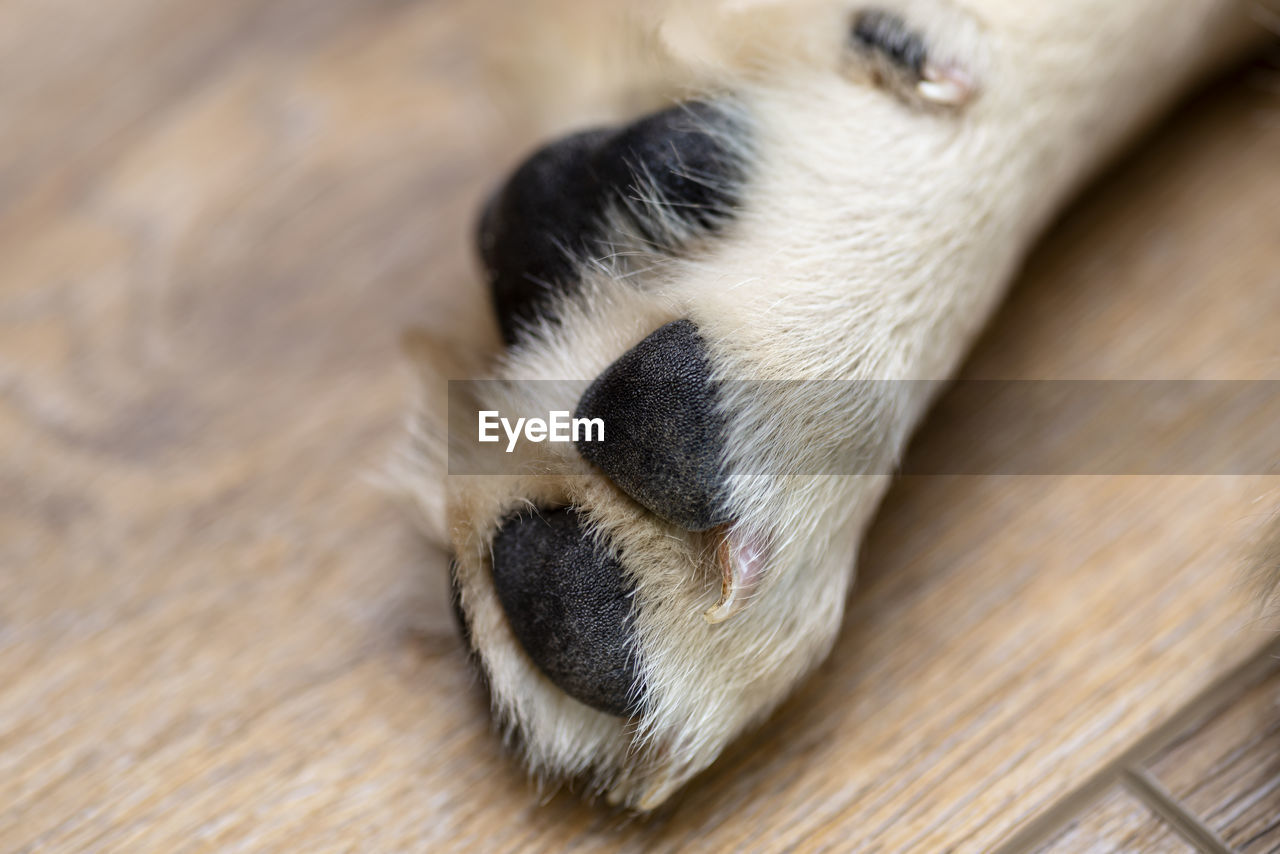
876	237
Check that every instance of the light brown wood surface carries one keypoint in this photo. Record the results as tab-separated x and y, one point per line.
1226	768
217	634
1118	822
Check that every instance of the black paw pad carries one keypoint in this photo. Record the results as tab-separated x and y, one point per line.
660	179
538	227
663	434
569	605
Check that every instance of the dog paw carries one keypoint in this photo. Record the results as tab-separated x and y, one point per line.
721	289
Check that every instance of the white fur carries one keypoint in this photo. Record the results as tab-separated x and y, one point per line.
877	235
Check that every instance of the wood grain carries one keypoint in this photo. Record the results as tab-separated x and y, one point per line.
1226	769
217	634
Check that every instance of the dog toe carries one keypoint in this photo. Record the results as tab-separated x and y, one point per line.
570	607
663	435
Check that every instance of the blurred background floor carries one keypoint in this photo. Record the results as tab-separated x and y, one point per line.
216	219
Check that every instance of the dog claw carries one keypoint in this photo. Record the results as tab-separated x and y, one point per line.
945	85
657	792
741	559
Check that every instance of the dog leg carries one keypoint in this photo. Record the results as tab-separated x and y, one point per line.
846	205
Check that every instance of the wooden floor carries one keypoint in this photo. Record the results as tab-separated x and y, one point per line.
217	634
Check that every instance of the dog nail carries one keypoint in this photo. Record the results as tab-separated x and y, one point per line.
943	85
741	558
657	792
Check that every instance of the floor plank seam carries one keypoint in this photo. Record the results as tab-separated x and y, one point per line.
1213	699
1160	801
